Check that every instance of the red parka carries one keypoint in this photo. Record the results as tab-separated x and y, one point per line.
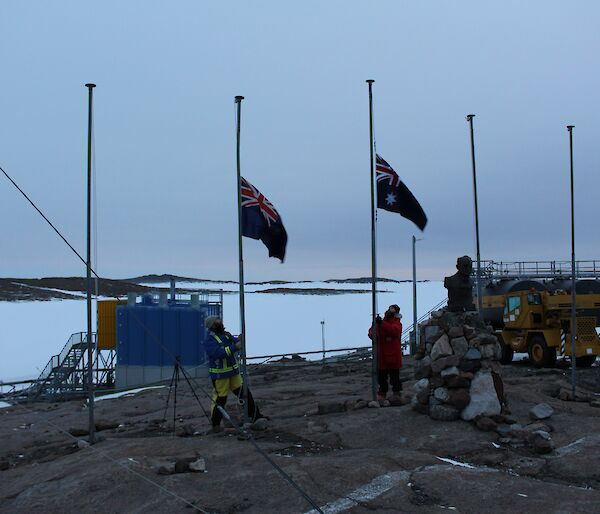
389	350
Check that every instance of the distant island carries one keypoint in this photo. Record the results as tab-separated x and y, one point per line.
74	288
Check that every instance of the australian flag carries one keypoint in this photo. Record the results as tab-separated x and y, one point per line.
394	196
261	221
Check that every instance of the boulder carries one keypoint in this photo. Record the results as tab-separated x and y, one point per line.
458	398
460	346
441	348
456	382
484	400
487	351
544	427
541	411
385	403
360	404
423	368
423	396
373	405
472	354
443	413
595	403
182	466
541	442
455	332
198	465
420	385
436	381
445	362
450	372
441	394
432	334
486	424
469	331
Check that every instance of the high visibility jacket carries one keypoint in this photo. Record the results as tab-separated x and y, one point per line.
220	349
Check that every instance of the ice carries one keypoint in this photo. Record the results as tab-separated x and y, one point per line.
275	323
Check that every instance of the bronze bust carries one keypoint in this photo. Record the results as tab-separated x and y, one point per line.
460	286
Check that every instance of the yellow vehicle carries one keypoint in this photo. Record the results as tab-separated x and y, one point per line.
539	323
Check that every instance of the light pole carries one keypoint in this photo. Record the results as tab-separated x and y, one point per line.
479	299
415	344
323	338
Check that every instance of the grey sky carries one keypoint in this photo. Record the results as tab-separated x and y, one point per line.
167	73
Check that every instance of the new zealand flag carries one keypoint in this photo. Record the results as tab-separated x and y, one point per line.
261	221
394	196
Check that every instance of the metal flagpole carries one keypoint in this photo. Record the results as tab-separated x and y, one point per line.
90	351
479	298
415	346
238	101
573	273
373	252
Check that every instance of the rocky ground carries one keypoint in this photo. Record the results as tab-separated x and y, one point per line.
346	456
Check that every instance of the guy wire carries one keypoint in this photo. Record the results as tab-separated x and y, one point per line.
46	219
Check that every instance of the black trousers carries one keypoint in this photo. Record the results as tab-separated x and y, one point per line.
216	416
394	376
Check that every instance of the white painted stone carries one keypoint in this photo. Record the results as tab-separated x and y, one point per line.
484	399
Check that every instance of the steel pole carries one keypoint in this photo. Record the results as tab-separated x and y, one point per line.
415	344
573	274
323	338
479	298
373	251
238	101
90	350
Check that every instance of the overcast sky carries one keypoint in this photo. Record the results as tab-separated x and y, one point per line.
167	73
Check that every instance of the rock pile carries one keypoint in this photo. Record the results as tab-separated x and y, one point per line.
457	369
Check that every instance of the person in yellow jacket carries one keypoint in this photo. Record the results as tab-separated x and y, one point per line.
221	348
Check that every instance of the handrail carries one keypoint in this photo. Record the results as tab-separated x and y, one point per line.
406	332
539	269
56	361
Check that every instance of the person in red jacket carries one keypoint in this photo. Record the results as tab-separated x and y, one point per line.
389	351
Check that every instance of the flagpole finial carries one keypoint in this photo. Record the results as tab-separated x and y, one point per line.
370	81
90	85
238	99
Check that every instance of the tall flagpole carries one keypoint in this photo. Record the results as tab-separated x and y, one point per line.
238	101
90	351
573	273
479	298
373	251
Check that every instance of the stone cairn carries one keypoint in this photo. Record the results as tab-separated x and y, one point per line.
457	369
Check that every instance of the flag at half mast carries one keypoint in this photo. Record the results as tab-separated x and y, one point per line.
394	196
260	220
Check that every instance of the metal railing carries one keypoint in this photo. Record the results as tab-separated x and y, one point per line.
539	269
56	360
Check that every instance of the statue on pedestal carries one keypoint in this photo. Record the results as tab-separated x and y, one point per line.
460	286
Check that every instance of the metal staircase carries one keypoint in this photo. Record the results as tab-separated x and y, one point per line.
65	373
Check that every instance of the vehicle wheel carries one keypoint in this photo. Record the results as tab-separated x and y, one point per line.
585	361
539	353
507	352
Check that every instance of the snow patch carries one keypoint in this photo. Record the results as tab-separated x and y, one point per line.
129	392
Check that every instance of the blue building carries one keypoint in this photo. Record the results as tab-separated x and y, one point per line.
153	331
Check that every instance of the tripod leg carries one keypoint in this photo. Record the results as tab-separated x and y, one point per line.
175	395
169	395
